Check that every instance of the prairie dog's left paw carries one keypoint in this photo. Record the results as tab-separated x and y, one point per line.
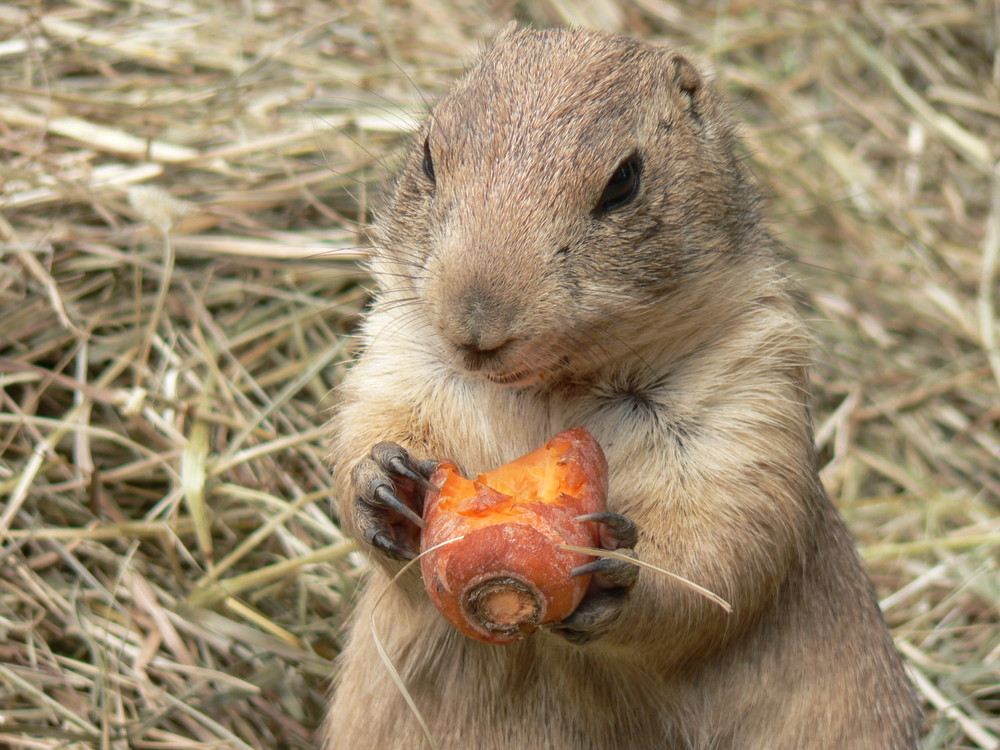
612	581
389	485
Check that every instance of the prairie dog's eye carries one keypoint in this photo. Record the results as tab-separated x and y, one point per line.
428	163
623	185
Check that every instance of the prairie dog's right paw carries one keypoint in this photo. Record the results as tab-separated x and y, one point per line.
389	490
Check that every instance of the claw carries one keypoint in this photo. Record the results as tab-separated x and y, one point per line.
398	465
614	573
384	493
625	533
427	467
592	618
387	544
597	566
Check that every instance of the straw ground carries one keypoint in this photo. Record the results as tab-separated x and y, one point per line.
181	192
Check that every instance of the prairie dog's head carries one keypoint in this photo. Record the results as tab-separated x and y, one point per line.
573	190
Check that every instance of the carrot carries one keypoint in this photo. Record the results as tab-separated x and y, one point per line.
508	576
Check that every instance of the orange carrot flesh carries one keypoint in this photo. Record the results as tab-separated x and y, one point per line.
508	575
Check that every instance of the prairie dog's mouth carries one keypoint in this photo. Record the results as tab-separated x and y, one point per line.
516	363
518	379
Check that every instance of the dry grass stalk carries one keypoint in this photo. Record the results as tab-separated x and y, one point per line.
171	574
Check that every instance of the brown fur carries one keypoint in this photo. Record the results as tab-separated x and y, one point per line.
665	328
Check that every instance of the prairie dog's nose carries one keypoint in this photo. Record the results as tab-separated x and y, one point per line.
479	323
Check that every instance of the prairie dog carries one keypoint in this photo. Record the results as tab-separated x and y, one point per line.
572	240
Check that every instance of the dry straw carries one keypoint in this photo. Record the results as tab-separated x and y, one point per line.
181	187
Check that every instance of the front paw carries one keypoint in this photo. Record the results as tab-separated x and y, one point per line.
389	490
612	581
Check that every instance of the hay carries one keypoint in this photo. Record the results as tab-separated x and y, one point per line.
181	189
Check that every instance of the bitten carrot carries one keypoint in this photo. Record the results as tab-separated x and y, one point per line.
508	574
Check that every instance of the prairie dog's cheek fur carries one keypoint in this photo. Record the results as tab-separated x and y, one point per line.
572	240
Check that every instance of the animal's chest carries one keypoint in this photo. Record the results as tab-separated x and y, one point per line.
481	426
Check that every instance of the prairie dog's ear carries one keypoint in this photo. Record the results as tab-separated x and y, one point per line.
508	31
685	75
